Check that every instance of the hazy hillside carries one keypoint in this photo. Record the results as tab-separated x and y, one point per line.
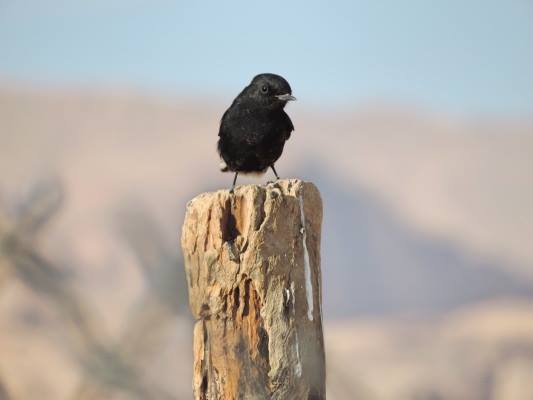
480	353
421	213
375	263
428	223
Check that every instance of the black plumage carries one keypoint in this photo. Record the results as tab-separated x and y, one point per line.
253	130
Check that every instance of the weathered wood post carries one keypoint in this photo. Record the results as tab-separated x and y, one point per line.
253	269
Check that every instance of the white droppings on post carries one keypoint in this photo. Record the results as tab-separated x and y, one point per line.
307	265
298	366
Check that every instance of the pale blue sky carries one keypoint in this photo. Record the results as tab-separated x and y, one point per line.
467	57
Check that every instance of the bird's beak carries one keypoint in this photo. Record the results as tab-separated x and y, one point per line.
286	97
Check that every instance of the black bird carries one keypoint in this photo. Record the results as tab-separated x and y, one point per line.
253	130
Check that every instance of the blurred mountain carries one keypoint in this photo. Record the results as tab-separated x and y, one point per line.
422	213
376	264
466	181
483	352
427	256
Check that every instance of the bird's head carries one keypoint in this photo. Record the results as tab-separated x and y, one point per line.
269	90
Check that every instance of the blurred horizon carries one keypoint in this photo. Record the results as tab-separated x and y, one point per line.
425	250
466	58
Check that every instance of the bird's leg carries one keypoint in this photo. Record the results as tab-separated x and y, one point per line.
275	173
274	170
234	182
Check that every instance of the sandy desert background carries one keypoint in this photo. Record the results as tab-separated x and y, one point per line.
427	256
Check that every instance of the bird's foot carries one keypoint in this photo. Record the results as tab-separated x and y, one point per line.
272	183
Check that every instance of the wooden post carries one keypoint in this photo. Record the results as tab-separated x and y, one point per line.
253	269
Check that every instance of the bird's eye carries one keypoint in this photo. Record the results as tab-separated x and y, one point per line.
264	88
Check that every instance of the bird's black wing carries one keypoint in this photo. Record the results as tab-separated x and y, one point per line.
221	128
289	127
